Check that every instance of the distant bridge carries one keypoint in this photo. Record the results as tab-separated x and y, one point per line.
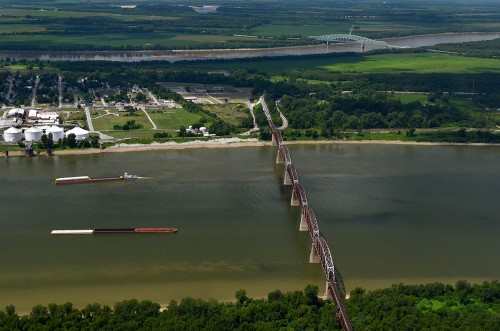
320	252
349	38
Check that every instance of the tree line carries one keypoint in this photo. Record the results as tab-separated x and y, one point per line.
433	306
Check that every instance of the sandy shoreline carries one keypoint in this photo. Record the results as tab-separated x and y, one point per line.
236	143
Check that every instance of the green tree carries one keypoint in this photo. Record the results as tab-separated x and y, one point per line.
71	140
241	296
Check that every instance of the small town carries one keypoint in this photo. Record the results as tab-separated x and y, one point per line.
37	110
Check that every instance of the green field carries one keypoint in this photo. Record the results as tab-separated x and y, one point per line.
168	120
107	122
421	63
132	134
172	119
415	63
77	25
229	113
407	98
11	13
267	30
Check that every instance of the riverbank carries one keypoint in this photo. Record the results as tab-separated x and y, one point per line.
236	143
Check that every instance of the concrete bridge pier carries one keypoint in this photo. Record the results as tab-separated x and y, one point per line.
314	256
328	294
288	179
273	141
303	221
279	158
295	200
362	47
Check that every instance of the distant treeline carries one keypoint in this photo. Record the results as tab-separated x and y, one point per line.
401	307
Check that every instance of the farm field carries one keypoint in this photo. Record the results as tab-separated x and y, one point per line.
415	63
421	63
168	25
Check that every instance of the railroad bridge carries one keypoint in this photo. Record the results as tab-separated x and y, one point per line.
320	251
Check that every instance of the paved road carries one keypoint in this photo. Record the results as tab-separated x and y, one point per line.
255	126
284	120
151	95
89	120
33	96
11	82
59	85
149	118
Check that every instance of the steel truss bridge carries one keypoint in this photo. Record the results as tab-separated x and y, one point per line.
320	252
349	38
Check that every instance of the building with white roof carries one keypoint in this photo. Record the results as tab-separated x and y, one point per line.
57	133
33	134
13	135
79	133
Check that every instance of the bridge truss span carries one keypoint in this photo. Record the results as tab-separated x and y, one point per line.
299	197
284	155
291	175
349	38
311	222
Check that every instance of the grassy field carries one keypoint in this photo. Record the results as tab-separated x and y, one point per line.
230	113
18	13
369	64
267	30
132	134
415	63
107	122
170	120
364	27
407	98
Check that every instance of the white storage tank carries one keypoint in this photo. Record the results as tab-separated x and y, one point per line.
13	135
57	133
33	134
79	133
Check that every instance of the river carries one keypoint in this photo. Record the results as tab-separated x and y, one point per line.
180	55
390	214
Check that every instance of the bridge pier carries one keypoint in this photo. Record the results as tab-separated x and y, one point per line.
362	47
273	141
295	199
303	220
279	158
328	294
288	179
314	256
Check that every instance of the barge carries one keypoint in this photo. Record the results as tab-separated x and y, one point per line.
116	231
87	179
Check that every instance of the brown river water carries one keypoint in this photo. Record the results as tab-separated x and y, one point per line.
390	214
